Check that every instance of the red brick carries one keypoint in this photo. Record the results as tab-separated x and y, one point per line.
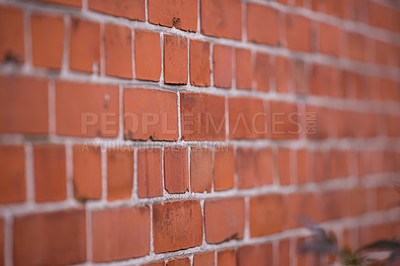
224	219
264	166
246	167
50	173
175	60
200	169
150	114
130	9
262	24
300	73
226	258
282	74
202	116
384	53
12	46
121	233
329	39
84	46
221	18
2	241
324	122
95	112
244	69
386	197
147	55
339	163
224	169
356	46
176	173
149	171
284	120
261	72
389	90
46	230
383	16
87	172
285	166
335	8
369	162
118	51
267	215
317	80
173	13
179	262
158	263
204	259
301	205
12	181
72	3
321	162
247	119
303	166
199	63
393	126
119	173
333	81
47	41
298	33
222	61
23	105
177	225
255	255
284	254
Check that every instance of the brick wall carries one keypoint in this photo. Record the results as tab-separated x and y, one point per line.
195	132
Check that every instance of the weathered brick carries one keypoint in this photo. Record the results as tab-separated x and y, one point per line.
72	3
204	258
147	55
224	168
246	168
120	233
261	72
262	24
119	173
298	33
175	60
226	257
50	172
222	70
199	63
282	74
176	173
264	166
179	262
46	230
150	114
12	47
267	215
255	255
285	166
200	169
244	69
149	171
177	225
224	219
174	13
329	39
202	116
130	9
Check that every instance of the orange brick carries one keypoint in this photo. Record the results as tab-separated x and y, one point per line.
329	39
147	55
224	169
173	13
317	80
356	46
284	120
246	168
222	61
321	162
266	215
177	225
255	255
46	230
284	166
226	257
284	252
87	172
130	9
246	118
95	112
298	33
244	69
72	3
176	173
282	74
150	114
200	169
12	46
202	116
301	205
47	41
119	173
303	166
179	262
204	259
339	164
50	173
264	166
12	181
175	59
228	22
261	70
149	171
262	24
84	46
199	63
118	51
324	119
23	105
111	227
224	219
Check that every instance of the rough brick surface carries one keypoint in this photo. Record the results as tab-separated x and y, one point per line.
298	33
224	167
12	46
176	173
199	63
119	173
200	169
222	66
147	55
175	60
149	171
244	69
260	22
130	9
